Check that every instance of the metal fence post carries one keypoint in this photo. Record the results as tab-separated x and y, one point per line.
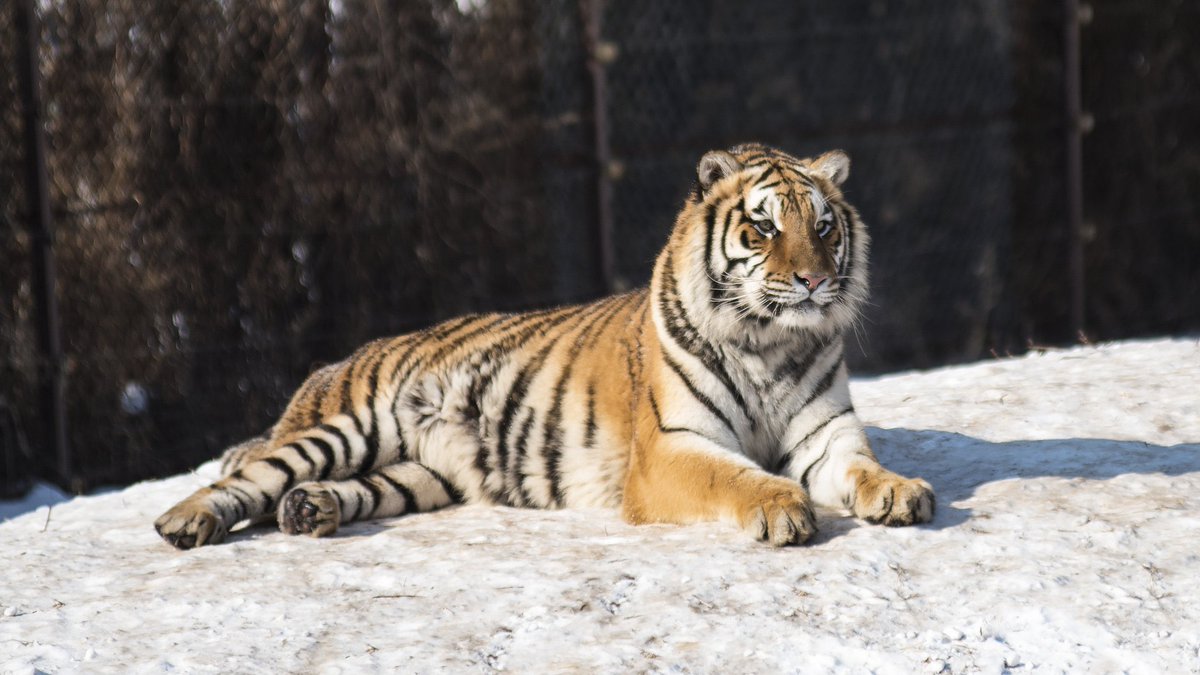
1077	123
598	56
52	401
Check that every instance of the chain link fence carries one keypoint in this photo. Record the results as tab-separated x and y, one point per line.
243	189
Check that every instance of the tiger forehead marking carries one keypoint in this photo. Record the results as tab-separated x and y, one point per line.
719	392
780	191
797	208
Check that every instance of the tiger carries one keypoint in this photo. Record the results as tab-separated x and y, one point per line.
717	393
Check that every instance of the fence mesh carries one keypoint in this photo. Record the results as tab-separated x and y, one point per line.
243	189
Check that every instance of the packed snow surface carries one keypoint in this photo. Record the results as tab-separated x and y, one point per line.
1067	538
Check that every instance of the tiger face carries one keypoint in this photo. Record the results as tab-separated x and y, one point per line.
785	249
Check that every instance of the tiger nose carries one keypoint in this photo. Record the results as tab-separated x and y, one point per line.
810	281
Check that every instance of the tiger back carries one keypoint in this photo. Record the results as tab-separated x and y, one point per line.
718	393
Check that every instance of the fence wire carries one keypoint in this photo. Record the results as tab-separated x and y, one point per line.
242	190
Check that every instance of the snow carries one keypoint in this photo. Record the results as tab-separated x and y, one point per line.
1069	501
40	495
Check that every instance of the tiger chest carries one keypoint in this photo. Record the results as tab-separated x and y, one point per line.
771	401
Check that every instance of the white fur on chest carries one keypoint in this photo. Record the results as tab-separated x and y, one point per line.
775	400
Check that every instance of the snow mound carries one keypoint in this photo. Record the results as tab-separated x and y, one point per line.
1069	501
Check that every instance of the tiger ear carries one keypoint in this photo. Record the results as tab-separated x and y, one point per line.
714	166
834	165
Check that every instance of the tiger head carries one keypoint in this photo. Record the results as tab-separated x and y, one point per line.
782	248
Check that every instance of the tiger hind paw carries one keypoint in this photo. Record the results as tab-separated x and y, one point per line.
309	509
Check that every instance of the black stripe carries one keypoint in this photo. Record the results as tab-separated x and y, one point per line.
402	443
326	452
626	302
517	494
225	514
710	226
497	324
376	495
405	361
589	425
696	393
786	458
673	430
686	335
482	325
373	443
516	393
342	437
523	327
303	452
268	502
243	500
889	504
821	459
822	425
762	260
520	447
422	338
358	509
552	425
448	346
372	438
848	259
633	346
823	386
283	467
358	427
734	262
314	411
415	341
725	236
239	508
337	495
795	366
452	492
410	501
345	400
249	499
502	345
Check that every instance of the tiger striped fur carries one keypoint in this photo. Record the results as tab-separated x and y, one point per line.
719	392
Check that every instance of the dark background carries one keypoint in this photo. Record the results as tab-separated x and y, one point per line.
242	189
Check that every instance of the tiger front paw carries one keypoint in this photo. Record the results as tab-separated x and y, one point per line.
189	524
783	518
884	497
309	509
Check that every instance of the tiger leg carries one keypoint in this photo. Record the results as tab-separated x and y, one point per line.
317	508
334	449
690	479
839	469
237	456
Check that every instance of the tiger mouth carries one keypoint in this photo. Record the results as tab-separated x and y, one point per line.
777	305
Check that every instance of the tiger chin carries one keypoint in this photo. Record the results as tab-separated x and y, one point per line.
718	393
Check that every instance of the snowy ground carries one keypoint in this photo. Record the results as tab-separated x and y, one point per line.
1066	539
